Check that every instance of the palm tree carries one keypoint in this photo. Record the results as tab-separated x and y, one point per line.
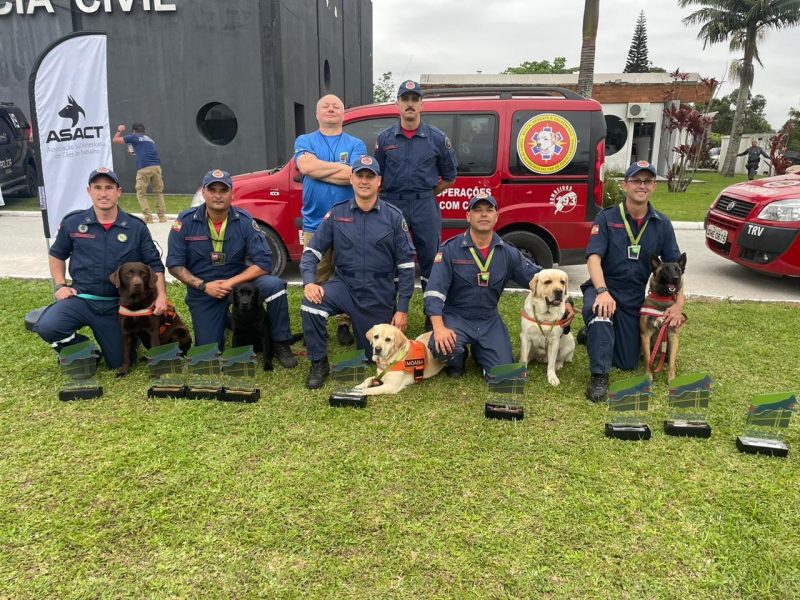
743	23
591	13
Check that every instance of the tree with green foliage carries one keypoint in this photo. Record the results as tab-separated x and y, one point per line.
534	67
384	89
754	120
793	127
591	18
638	62
743	24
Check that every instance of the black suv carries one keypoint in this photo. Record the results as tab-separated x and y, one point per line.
17	159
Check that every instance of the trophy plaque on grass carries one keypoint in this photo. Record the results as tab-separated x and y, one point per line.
688	400
203	372
628	402
767	420
79	368
239	375
506	383
165	364
348	370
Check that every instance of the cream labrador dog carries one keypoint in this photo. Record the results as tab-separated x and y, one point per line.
401	362
542	336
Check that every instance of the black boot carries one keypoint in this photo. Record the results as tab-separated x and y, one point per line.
583	336
317	373
285	355
343	335
598	387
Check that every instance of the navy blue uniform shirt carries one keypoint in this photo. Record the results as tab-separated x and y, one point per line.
454	278
368	247
414	165
190	245
95	253
624	277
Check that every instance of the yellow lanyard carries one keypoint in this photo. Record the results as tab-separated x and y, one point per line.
483	276
634	241
217	239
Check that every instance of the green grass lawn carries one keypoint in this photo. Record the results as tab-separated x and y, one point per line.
174	203
692	204
417	496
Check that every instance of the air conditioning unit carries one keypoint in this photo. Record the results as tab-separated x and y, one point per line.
638	110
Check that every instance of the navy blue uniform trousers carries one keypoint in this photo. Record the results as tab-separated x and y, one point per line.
489	339
425	224
611	342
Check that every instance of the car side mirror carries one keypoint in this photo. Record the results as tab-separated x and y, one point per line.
4	139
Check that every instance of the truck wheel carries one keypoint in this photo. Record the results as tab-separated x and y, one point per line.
279	255
532	247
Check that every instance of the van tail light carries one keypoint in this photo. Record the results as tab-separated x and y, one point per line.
599	171
29	134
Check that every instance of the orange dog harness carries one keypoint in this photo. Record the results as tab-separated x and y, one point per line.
169	315
413	362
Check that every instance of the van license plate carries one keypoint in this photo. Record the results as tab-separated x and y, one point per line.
716	233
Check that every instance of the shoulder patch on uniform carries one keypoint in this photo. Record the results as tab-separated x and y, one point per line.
255	225
404	225
438	257
327	216
447	143
595	229
176	225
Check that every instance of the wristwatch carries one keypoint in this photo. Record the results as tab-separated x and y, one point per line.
58	286
601	289
202	286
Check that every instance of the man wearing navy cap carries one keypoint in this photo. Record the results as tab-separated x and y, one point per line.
370	243
468	276
96	241
618	258
212	248
418	162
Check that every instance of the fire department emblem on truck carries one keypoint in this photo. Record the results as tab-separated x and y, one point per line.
546	143
564	199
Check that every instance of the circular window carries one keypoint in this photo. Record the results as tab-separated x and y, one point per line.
616	134
217	123
326	75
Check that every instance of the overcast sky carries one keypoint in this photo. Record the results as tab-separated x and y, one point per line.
465	36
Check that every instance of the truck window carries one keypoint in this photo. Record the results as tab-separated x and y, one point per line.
368	129
551	143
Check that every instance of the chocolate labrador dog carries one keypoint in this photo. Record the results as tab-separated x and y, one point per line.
248	321
136	283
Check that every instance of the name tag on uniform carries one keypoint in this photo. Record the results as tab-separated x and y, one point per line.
217	258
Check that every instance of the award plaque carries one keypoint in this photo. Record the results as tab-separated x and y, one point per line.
79	369
767	420
203	372
348	370
165	364
238	375
688	406
506	382
628	402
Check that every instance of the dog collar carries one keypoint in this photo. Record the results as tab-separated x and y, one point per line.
560	323
657	298
142	312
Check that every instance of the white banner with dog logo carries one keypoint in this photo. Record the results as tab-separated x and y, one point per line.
69	109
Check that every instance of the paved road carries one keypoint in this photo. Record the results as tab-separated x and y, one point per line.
23	253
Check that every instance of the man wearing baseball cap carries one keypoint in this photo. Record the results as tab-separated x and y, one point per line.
212	248
148	168
418	162
97	241
370	243
468	276
618	259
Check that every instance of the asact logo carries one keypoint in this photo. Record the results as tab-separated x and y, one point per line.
73	112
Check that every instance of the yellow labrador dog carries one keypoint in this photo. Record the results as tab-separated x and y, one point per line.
400	360
542	335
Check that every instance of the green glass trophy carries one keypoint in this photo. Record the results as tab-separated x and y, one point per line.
165	364
203	372
628	402
767	420
238	375
507	384
348	370
687	406
79	369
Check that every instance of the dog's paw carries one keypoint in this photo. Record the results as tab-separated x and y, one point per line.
553	380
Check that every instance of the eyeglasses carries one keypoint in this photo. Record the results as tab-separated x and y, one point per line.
642	181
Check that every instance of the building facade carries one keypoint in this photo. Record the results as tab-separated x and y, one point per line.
216	83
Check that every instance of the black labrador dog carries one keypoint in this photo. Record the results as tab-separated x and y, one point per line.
136	283
248	320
